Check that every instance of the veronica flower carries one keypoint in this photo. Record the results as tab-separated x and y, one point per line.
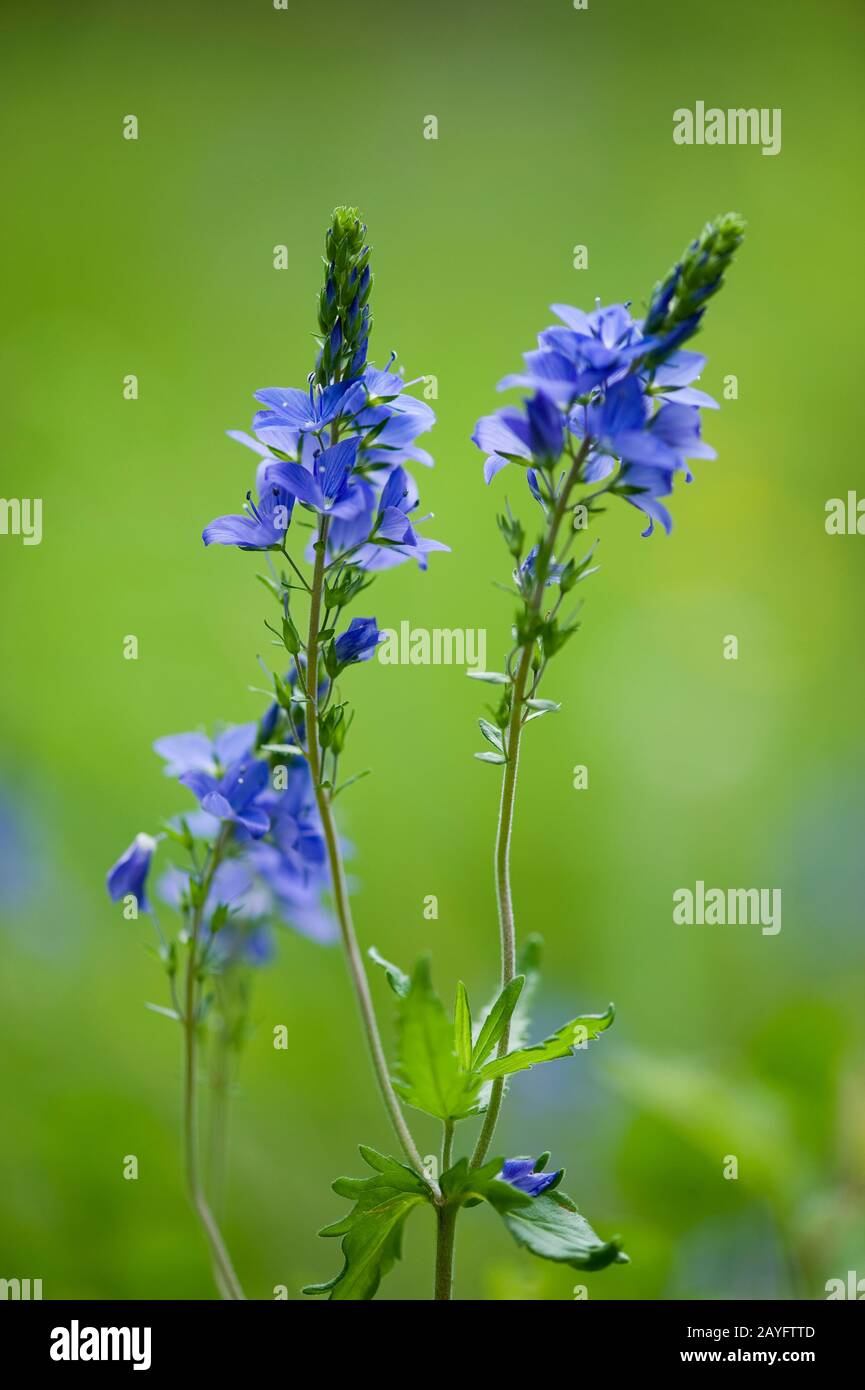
381	535
129	875
232	797
295	825
295	899
671	381
592	349
195	752
261	527
292	413
325	487
523	1173
358	642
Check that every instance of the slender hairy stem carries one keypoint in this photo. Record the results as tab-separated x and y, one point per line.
227	1281
504	897
220	1084
446	1218
340	888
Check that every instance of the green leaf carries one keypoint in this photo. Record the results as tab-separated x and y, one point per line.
491	677
497	1020
562	1043
463	1028
492	734
428	1072
490	758
350	782
166	1013
552	1227
543	706
372	1231
396	978
467	1186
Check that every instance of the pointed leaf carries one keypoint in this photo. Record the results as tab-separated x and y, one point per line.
396	978
561	1044
463	1028
552	1227
428	1072
497	1020
492	734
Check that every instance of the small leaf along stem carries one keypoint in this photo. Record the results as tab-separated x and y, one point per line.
504	896
342	903
226	1279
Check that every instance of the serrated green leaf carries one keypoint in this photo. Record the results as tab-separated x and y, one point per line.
463	1028
552	1227
372	1231
396	978
428	1073
497	1020
562	1043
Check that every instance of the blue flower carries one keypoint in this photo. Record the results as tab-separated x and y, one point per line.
380	534
546	429
232	797
325	486
261	527
358	642
295	825
195	752
671	381
523	1173
592	349
295	899
622	427
129	875
504	438
292	413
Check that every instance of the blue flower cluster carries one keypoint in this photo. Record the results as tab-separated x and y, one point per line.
621	397
337	451
274	865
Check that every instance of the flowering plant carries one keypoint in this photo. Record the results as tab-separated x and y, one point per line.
612	411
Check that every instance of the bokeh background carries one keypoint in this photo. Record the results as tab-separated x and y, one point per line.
155	257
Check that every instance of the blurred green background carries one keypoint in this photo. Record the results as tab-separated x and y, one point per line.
155	257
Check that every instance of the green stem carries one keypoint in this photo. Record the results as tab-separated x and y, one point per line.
446	1218
356	967
227	1281
504	897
